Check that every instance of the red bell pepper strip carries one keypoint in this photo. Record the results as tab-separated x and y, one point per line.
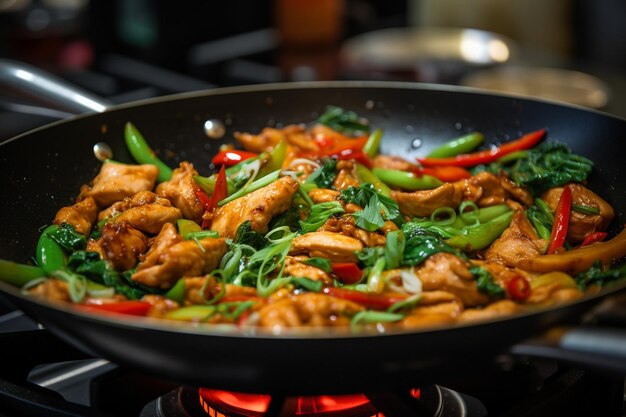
348	273
561	221
445	174
221	189
231	157
132	307
593	238
336	145
484	157
204	198
518	288
373	301
357	155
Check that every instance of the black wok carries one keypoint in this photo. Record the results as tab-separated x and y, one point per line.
42	170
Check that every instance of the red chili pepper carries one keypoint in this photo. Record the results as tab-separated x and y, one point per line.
445	174
593	238
232	157
358	156
374	301
484	157
561	221
132	307
220	191
203	197
348	273
518	288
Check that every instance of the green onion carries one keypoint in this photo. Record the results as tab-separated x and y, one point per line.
201	234
19	274
99	291
372	317
308	284
585	209
375	282
405	305
191	313
205	285
465	214
248	188
448	213
394	249
76	283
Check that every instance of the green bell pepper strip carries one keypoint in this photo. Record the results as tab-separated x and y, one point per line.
141	151
276	158
368	177
177	292
19	274
50	255
373	143
479	237
458	146
406	180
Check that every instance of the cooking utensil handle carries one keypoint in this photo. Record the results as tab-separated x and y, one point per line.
602	349
38	86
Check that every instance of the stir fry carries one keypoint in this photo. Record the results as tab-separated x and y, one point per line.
308	225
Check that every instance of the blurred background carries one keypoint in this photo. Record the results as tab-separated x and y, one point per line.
569	50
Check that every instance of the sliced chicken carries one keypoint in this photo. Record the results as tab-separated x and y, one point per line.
519	241
346	176
52	290
435	307
149	218
294	135
181	191
324	195
334	246
492	191
446	272
392	162
167	237
580	224
424	202
117	181
295	268
160	305
346	226
308	309
139	199
81	215
257	207
195	285
186	258
122	244
494	310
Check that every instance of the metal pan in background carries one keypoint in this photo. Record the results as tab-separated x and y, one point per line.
42	170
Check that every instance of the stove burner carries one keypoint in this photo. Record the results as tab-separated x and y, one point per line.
432	401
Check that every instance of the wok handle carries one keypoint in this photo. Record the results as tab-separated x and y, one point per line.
36	85
598	348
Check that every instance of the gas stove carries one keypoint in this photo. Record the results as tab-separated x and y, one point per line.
43	375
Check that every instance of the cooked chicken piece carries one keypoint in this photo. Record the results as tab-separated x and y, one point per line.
117	181
491	311
433	307
323	195
553	294
518	193
81	215
167	237
298	137
492	191
52	290
334	246
258	207
139	199
181	191
308	309
149	218
295	268
186	258
581	225
294	135
519	241
424	202
94	246
122	244
444	271
346	176
212	288
393	162
346	226
388	226
352	208
160	305
428	320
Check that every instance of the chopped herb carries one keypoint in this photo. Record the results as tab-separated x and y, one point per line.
366	195
369	218
347	122
319	214
247	236
597	275
325	175
486	283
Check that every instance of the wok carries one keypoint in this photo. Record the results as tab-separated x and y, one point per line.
42	170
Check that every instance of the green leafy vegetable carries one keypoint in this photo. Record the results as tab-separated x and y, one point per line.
369	256
365	195
325	175
319	214
486	283
320	263
394	249
420	245
540	216
69	239
370	218
347	122
551	164
247	236
596	275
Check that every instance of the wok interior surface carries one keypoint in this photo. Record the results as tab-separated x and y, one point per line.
43	170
